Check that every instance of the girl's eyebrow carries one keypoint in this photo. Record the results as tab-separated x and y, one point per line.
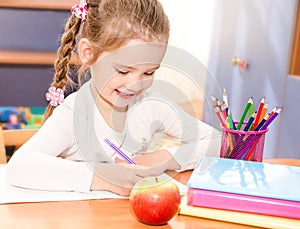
131	67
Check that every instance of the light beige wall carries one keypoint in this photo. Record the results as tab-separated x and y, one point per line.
191	25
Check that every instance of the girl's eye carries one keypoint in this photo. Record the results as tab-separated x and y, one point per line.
122	72
149	73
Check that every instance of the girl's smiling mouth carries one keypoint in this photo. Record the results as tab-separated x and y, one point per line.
125	95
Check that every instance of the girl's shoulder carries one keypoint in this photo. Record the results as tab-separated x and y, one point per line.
69	100
67	106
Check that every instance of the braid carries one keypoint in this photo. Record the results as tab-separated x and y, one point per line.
64	53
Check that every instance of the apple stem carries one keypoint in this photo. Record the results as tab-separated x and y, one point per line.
156	179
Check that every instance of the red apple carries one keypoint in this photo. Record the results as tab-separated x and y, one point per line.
155	201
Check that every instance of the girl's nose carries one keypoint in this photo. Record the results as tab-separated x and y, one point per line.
138	82
135	84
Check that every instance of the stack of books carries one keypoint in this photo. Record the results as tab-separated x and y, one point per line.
245	192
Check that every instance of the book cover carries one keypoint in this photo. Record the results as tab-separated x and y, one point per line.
243	203
247	177
238	217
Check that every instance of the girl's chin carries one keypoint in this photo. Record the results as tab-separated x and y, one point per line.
121	104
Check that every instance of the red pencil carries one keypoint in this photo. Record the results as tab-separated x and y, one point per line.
272	112
220	117
224	109
259	111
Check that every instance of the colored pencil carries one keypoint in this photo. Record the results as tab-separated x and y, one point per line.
246	109
219	104
251	110
250	121
272	112
225	98
264	112
271	119
224	109
214	99
230	120
220	116
261	123
118	151
230	142
259	111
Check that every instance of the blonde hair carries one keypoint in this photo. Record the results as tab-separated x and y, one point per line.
110	24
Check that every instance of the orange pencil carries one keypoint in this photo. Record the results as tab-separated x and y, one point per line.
259	111
263	113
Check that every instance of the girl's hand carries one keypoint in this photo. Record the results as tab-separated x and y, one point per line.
158	161
118	178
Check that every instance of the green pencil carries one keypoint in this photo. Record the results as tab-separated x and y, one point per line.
250	101
230	120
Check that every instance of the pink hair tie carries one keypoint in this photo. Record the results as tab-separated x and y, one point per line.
55	96
80	10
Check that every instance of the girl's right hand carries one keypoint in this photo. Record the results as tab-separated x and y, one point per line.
118	178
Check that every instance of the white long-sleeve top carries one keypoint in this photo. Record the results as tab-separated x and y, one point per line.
54	158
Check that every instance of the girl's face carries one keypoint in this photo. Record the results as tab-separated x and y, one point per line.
123	74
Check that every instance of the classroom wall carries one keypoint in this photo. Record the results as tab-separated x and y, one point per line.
190	33
289	132
26	29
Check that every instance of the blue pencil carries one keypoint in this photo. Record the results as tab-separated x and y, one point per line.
261	123
117	150
250	121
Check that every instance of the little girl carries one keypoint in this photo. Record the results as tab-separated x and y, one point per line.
120	44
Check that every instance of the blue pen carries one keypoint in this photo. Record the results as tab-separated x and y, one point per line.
117	150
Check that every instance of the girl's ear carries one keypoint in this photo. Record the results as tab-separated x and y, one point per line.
84	51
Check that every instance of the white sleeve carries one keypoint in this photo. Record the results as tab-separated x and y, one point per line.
197	137
38	164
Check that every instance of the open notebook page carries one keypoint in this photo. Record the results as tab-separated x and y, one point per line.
11	194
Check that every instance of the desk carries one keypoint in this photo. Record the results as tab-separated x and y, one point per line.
114	213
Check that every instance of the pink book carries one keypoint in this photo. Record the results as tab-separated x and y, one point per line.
243	203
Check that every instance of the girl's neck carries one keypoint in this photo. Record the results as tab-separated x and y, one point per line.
114	116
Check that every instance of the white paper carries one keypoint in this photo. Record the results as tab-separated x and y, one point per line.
12	194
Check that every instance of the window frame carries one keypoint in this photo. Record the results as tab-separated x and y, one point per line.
295	58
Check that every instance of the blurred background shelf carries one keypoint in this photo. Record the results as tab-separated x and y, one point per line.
27	57
39	4
30	57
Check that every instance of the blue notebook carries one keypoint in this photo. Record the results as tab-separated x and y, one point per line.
247	177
